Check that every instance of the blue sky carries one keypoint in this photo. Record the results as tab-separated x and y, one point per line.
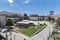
41	7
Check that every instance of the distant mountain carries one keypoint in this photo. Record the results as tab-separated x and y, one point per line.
11	14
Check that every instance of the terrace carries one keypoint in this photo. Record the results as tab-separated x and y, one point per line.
31	30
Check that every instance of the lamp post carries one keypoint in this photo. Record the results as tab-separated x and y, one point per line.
6	36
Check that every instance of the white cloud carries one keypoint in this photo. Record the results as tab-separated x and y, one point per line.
11	5
26	1
11	1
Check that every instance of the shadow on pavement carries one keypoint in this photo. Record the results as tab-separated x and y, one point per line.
1	37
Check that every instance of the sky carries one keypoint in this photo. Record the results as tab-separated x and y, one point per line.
40	7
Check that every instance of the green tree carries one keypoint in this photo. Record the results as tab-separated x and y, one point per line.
53	19
58	22
49	18
25	16
9	22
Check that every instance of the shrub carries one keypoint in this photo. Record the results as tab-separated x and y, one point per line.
41	24
31	24
44	23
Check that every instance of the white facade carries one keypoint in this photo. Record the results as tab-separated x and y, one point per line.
33	18
56	16
3	21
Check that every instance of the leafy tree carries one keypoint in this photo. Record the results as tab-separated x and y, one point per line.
25	16
9	22
49	18
58	22
53	19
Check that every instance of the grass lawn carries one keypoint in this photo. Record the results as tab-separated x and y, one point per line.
56	36
31	30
